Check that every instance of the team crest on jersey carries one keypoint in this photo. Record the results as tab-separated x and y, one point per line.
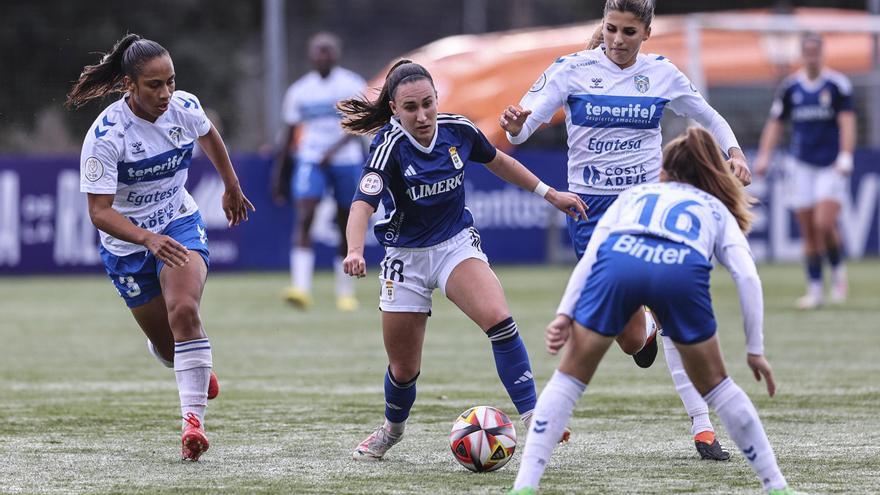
539	84
456	160
797	97
643	84
825	98
371	184
175	133
94	169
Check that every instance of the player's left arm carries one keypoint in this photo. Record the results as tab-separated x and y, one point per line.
846	121
235	204
511	170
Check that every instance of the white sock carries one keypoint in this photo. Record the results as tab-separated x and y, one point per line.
192	367
526	418
155	353
814	289
344	283
693	402
650	325
743	425
302	266
550	417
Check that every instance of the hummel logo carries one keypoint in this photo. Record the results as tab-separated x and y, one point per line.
540	426
524	378
410	171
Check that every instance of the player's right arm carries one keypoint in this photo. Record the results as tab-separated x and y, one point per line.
772	131
355	237
108	220
537	107
282	170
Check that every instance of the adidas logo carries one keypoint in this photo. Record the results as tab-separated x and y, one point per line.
524	378
410	171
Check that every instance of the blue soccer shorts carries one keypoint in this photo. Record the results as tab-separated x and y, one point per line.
581	230
310	180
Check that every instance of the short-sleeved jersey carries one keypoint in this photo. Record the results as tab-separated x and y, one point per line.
422	188
678	212
612	115
144	164
311	101
813	107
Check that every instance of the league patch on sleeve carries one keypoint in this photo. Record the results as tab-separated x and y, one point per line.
371	184
94	169
539	84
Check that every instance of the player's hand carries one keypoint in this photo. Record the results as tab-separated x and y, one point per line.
236	205
760	367
513	118
740	169
569	203
166	249
557	332
762	165
843	164
355	265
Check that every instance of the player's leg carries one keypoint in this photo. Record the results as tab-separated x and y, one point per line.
474	288
307	188
152	317
639	338
705	367
345	179
831	192
581	356
403	334
813	247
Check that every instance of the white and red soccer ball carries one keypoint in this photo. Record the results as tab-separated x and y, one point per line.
482	439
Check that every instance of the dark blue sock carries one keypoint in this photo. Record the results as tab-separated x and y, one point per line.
399	397
834	256
814	268
512	363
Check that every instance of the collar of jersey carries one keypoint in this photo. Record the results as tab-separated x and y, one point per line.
815	84
130	114
608	63
396	124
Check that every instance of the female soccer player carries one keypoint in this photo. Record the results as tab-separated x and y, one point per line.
818	102
134	165
653	247
613	98
416	168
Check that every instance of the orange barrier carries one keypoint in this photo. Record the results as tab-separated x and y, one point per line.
477	75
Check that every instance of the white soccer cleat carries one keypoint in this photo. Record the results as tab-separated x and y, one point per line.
839	288
374	446
809	301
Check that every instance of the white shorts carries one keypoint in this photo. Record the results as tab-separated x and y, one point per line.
810	184
408	276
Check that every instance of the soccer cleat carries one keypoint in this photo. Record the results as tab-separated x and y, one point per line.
709	448
194	442
809	301
347	303
374	446
784	491
213	386
297	298
523	491
645	357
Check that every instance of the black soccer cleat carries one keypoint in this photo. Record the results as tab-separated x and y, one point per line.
711	451
645	357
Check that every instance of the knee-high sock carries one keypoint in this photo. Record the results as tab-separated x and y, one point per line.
693	402
302	267
512	364
399	398
744	426
551	415
344	283
192	367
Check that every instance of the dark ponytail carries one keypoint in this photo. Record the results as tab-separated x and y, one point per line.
362	116
127	58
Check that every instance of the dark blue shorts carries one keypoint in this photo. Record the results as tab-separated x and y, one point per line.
639	270
581	230
136	276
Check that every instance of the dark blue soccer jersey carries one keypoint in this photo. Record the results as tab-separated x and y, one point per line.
812	107
422	189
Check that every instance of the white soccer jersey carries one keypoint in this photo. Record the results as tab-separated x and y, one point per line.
613	116
676	211
311	101
143	163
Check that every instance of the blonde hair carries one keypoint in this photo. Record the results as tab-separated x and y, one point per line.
695	158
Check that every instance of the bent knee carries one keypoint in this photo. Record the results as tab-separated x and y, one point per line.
184	315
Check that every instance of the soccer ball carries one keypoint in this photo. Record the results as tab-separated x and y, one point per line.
482	439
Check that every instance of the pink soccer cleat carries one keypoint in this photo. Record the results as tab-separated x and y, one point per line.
194	442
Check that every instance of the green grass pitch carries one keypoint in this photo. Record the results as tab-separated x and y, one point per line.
85	409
